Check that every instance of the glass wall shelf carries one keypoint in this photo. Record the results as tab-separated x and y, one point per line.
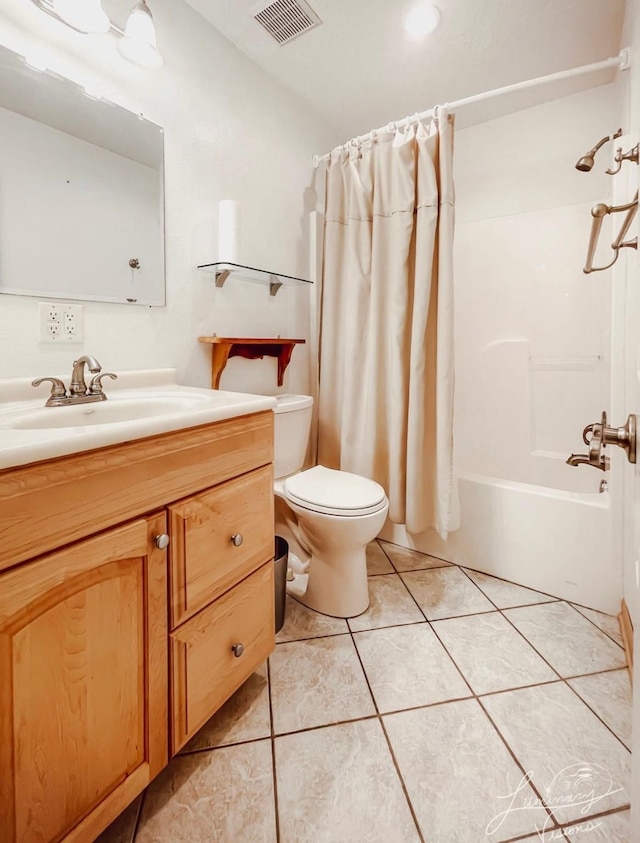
222	270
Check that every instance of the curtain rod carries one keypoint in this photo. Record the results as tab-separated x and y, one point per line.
622	61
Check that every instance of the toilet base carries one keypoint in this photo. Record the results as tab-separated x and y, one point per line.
342	593
336	549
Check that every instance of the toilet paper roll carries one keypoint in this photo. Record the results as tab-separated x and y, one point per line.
228	231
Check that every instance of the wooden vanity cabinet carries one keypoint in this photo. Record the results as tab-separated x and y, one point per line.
114	650
83	696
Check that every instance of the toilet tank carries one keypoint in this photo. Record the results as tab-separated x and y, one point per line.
292	424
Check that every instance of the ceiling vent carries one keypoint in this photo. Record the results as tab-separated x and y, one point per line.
285	20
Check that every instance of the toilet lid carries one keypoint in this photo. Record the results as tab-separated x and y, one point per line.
335	492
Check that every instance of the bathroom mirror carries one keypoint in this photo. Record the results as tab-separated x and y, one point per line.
81	193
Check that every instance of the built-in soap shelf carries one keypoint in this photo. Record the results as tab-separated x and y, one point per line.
251	348
222	270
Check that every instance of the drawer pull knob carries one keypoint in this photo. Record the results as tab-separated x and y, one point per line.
237	539
238	650
162	541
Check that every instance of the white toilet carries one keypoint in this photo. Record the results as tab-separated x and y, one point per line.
327	516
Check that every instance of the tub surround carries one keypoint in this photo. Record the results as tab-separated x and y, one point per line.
107	560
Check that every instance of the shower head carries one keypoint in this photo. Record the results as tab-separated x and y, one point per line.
585	164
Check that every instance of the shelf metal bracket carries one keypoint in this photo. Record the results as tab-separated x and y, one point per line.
222	276
274	286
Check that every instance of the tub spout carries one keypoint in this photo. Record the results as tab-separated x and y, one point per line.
601	462
578	459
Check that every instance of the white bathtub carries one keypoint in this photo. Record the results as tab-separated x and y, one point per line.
551	540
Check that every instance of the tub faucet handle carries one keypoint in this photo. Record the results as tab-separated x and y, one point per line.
598	435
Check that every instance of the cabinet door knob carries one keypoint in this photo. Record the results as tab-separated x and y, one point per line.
237	539
161	541
238	650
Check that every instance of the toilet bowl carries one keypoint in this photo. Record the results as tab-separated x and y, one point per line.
328	516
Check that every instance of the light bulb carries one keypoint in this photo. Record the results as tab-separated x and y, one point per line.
138	43
85	15
422	20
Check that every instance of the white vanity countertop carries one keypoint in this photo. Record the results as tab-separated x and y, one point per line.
30	432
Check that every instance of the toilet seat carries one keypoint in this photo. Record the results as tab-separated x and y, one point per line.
332	492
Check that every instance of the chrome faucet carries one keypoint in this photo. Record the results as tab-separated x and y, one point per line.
78	392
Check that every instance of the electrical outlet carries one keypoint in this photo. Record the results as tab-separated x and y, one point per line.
60	323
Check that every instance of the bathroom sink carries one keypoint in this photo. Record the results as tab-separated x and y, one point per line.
139	404
111	411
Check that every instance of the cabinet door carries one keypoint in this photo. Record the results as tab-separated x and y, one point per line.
213	653
205	562
83	695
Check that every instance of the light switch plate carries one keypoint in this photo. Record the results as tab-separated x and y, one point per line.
60	323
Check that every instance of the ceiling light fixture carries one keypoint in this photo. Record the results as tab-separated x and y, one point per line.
421	20
137	42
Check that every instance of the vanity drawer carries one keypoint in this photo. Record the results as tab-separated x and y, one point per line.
204	561
205	671
66	499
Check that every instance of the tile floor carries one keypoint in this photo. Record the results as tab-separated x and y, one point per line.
458	709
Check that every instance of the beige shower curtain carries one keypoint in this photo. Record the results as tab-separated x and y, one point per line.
386	355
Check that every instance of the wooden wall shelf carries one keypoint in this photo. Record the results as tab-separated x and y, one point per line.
251	348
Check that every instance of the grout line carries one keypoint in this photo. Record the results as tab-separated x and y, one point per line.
477	699
313	637
386	554
595	673
565	679
324	726
576	609
520	766
389	745
273	756
412	550
552	597
475	696
202	749
604	723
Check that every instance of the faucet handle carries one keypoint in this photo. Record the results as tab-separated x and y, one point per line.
95	387
58	389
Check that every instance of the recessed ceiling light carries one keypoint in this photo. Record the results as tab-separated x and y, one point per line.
422	20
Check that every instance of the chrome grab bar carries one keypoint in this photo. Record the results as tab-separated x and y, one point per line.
599	212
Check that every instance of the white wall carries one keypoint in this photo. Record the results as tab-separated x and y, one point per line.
229	133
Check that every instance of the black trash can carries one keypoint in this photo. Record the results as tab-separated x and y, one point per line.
280	578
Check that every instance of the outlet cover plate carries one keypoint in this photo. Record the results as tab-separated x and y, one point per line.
60	322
